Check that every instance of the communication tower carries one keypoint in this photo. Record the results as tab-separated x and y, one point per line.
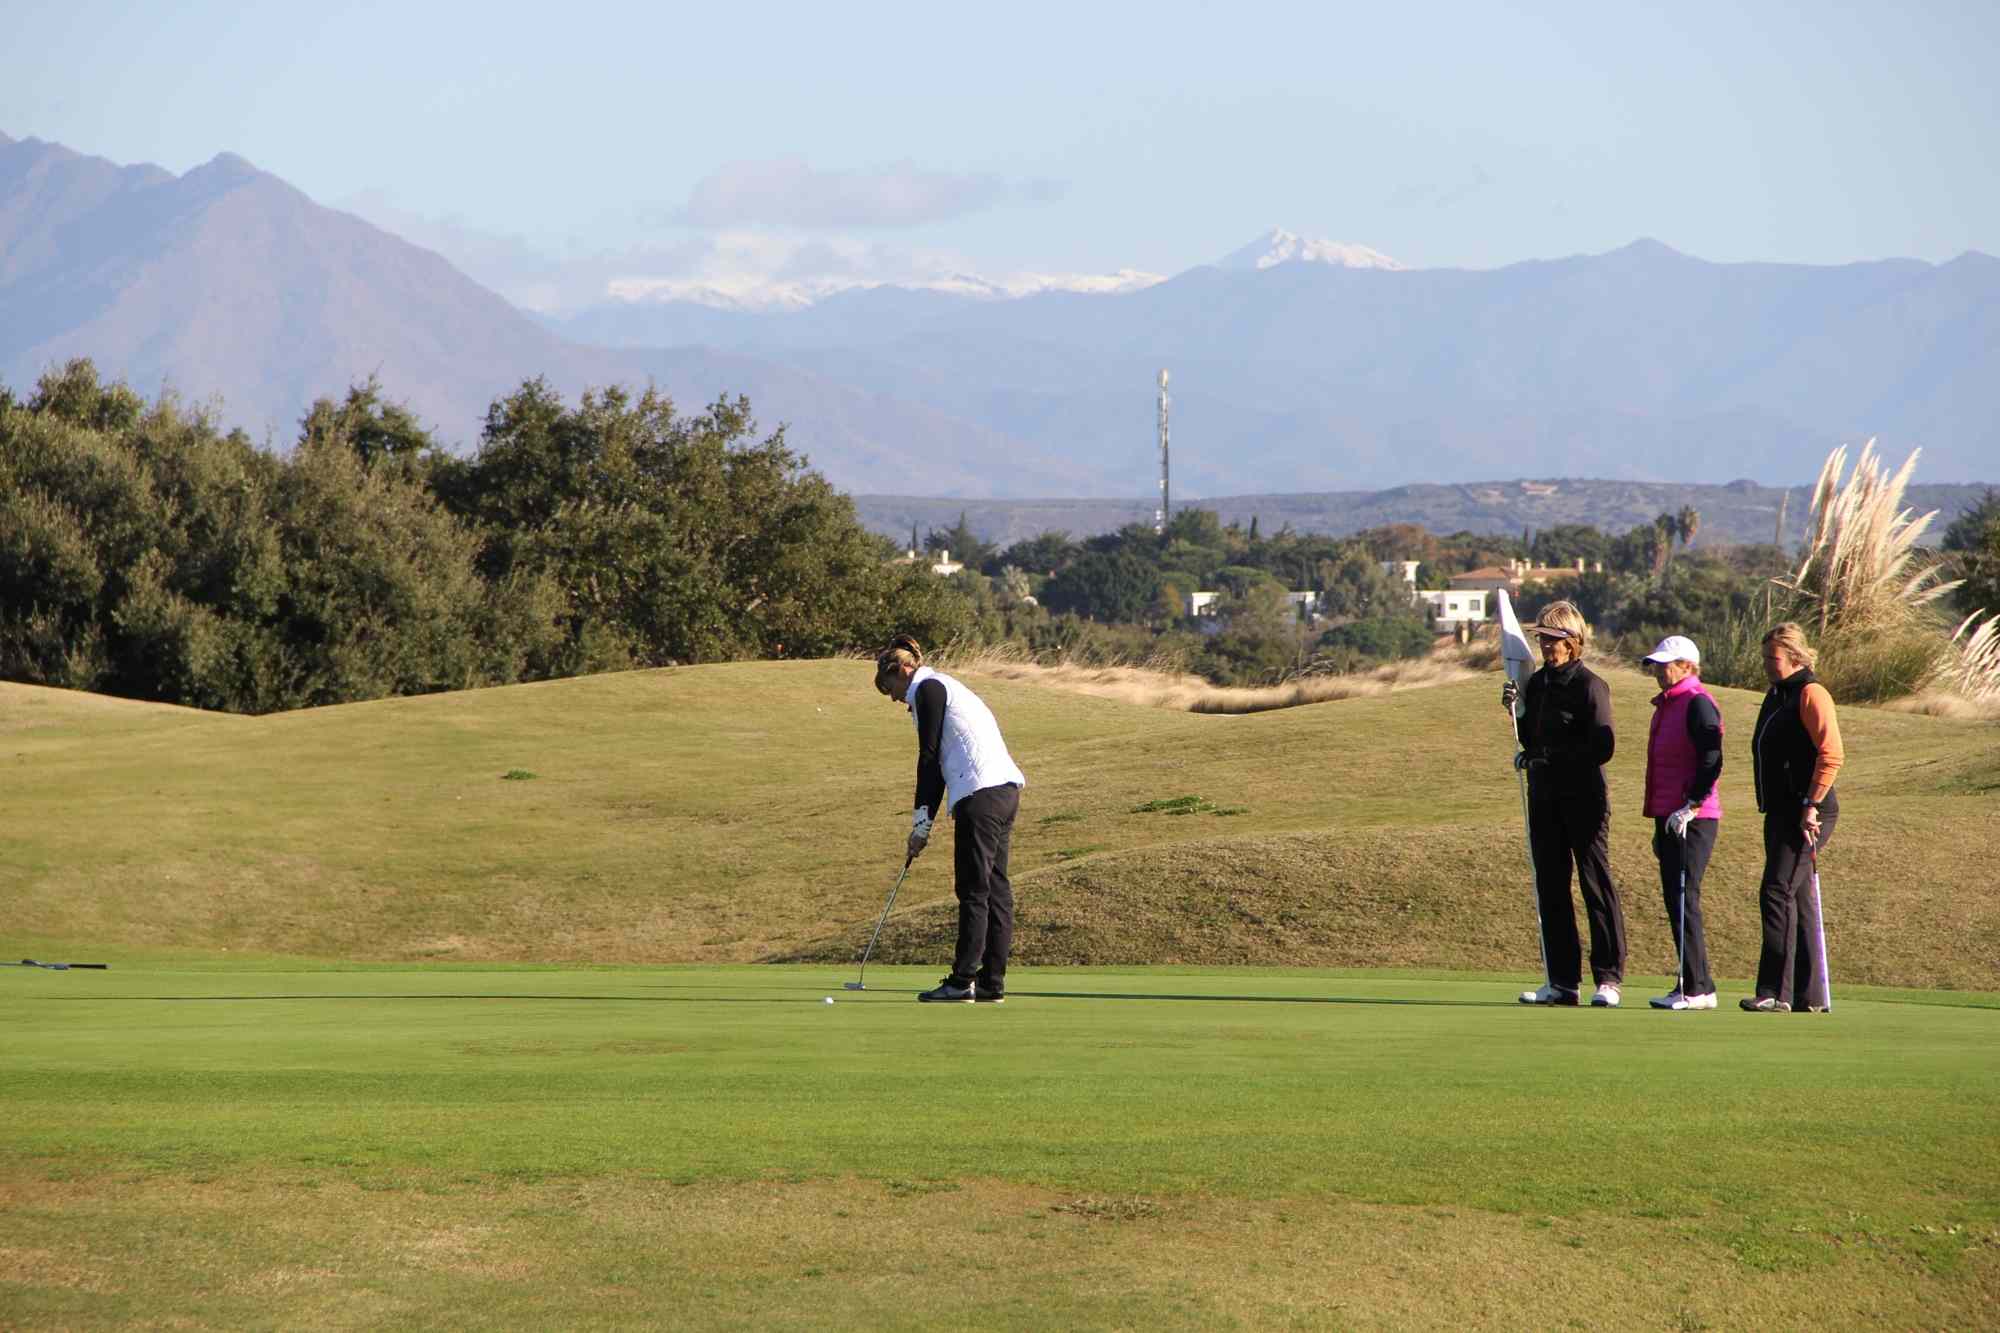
1166	500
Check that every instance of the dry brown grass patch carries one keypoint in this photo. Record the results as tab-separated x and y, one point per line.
1159	687
828	1252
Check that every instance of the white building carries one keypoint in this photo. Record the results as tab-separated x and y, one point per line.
1210	603
944	564
1448	608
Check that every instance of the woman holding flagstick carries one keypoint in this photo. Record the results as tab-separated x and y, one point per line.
1565	727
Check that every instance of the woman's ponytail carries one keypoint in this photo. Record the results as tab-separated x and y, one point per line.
903	651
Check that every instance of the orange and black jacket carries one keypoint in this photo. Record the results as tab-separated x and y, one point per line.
1795	751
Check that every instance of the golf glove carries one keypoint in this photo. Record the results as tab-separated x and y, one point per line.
920	831
1508	693
1678	821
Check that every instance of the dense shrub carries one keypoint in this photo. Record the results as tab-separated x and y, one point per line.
144	553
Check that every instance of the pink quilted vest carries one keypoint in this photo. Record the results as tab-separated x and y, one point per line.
1670	757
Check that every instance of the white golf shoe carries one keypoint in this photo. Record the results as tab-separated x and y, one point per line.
1606	997
1548	995
1678	1001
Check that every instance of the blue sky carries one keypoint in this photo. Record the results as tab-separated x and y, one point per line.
586	140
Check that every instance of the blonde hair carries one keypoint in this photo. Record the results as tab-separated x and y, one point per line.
1791	637
1564	615
903	651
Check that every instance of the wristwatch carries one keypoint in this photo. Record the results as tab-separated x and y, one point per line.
1809	802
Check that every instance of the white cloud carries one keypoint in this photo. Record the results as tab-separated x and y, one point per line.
791	192
739	268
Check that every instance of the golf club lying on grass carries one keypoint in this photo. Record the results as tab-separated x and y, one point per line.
857	983
60	967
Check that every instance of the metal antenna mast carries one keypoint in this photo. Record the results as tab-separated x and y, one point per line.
1166	499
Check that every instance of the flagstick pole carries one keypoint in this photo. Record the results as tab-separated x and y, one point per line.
1510	629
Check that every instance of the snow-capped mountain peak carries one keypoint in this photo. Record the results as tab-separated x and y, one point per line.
756	293
1279	246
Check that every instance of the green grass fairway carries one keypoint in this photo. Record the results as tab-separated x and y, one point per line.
716	1147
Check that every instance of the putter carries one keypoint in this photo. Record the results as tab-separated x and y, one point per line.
1681	919
1819	920
860	981
61	967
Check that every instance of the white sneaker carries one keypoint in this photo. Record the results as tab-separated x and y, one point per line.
1548	995
1606	997
1676	1000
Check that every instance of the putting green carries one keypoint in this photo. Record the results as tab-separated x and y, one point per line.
293	1124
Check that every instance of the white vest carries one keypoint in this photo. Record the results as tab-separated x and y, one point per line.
970	750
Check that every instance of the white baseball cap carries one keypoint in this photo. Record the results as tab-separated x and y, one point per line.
1675	648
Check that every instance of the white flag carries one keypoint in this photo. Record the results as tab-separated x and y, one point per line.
1515	654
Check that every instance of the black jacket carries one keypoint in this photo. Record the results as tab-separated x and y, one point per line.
1566	730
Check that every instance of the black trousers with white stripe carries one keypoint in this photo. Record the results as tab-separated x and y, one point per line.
983	827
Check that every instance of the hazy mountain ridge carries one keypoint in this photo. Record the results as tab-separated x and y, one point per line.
1734	513
1642	362
1300	376
226	283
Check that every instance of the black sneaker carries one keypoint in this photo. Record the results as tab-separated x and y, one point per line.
981	996
1764	1004
947	993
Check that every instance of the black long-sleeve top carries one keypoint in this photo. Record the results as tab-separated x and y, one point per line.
1704	724
929	710
1566	729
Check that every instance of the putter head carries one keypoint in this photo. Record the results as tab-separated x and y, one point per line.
852	985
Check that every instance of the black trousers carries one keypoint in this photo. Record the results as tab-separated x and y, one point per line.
1792	966
983	826
1687	856
1566	832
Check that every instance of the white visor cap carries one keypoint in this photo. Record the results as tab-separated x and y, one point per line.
1675	648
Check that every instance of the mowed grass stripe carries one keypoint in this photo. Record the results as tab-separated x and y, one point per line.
452	1145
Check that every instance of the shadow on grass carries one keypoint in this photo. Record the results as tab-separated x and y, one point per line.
1260	999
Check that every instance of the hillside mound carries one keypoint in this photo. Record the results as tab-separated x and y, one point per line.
757	811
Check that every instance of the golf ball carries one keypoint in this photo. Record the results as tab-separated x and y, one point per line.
829	999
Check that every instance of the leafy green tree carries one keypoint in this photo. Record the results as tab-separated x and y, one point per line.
1380	639
1103	585
1358	588
1973	544
1640	551
1566	543
682	538
1043	555
965	545
365	422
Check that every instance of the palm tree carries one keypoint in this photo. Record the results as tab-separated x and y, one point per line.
1667	526
1688	521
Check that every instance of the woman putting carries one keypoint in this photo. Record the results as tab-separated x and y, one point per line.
962	761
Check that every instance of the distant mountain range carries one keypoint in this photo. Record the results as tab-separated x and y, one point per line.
1737	513
1298	366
